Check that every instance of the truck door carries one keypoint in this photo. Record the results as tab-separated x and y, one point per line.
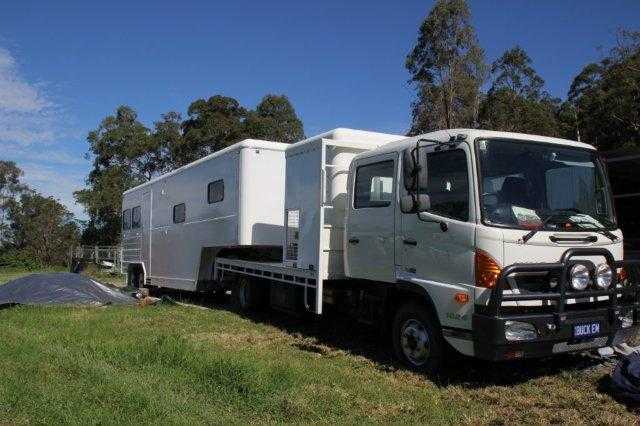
370	225
442	255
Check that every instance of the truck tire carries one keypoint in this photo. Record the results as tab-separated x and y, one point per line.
417	339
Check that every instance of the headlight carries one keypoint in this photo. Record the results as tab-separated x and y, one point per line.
515	331
579	277
604	274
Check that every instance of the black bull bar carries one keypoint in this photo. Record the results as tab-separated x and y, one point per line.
627	294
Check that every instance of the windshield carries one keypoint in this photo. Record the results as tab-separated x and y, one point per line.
525	184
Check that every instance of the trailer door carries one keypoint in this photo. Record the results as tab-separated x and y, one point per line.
370	225
145	243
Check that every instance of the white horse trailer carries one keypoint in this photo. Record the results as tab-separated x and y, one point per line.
175	225
499	245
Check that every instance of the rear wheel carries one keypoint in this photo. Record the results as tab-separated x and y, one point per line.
135	277
417	340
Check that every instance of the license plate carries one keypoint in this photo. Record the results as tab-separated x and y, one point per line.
586	330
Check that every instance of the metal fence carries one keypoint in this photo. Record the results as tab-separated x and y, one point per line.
108	257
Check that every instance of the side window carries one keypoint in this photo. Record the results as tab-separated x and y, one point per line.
136	217
448	186
126	219
215	192
374	185
179	213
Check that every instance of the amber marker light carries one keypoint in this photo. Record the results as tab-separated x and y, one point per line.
487	270
622	275
461	298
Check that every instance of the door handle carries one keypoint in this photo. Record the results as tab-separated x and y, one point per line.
354	240
410	242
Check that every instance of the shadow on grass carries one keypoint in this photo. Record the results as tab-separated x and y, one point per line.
606	386
335	332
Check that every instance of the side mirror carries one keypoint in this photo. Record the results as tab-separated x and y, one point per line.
414	164
407	204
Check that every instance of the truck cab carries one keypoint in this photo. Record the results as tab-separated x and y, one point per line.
504	245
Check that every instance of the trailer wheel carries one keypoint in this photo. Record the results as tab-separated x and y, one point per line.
417	340
134	277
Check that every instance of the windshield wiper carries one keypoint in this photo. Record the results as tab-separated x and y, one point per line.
555	214
598	230
565	212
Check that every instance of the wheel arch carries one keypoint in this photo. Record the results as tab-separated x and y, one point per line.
404	291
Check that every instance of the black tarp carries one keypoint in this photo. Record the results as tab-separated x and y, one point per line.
60	289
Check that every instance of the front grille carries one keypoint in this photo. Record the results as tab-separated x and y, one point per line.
538	282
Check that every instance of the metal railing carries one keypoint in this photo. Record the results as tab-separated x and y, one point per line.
109	257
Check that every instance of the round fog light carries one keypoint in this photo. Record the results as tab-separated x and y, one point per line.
604	274
579	277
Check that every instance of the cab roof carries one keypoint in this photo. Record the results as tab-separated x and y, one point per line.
473	134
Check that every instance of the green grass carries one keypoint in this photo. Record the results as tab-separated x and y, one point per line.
177	364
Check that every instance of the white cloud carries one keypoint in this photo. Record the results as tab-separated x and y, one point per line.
17	94
57	183
21	154
27	115
34	132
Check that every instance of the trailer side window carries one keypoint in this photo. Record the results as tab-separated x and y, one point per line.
126	219
374	185
179	213
136	218
215	191
448	186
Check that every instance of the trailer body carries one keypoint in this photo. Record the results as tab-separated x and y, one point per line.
176	224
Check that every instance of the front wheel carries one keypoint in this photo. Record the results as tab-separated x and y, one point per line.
417	340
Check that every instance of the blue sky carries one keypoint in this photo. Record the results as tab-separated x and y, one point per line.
64	65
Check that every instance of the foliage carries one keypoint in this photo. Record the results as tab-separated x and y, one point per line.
213	124
513	71
447	68
606	97
167	137
42	228
125	154
274	119
19	259
516	101
10	187
220	121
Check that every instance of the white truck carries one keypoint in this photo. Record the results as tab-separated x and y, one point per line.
499	245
